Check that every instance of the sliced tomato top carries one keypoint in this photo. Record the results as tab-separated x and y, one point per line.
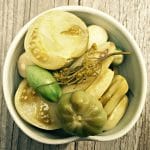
34	109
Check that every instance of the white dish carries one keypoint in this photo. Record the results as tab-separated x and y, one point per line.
133	69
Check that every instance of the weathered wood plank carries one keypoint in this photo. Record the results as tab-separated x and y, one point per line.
6	37
61	2
73	2
132	14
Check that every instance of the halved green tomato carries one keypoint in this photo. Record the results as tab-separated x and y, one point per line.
55	39
34	109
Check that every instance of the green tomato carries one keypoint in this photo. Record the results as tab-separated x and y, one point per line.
43	83
81	114
34	109
55	38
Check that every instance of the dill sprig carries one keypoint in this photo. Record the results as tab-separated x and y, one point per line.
90	67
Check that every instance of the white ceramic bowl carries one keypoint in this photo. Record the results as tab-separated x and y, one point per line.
133	69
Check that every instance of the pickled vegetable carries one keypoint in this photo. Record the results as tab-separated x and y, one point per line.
80	86
23	62
118	59
97	35
34	109
117	114
101	83
43	83
115	92
81	114
54	39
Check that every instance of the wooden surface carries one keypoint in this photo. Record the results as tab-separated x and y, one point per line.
133	14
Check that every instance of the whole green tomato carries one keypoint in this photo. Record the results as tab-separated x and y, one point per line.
81	114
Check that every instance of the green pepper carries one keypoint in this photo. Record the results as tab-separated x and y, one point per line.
43	83
81	114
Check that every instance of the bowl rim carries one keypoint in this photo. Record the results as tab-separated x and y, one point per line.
41	139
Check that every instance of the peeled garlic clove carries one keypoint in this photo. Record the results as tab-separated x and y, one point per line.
117	114
23	61
118	59
97	35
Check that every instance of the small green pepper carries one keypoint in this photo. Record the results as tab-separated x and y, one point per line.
43	83
81	114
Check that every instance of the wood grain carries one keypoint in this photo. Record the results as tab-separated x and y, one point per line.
133	14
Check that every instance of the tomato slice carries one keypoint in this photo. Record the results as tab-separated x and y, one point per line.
34	109
55	39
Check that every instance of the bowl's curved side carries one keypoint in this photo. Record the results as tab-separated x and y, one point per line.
9	66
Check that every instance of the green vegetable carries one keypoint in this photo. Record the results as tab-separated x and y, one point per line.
81	114
43	83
